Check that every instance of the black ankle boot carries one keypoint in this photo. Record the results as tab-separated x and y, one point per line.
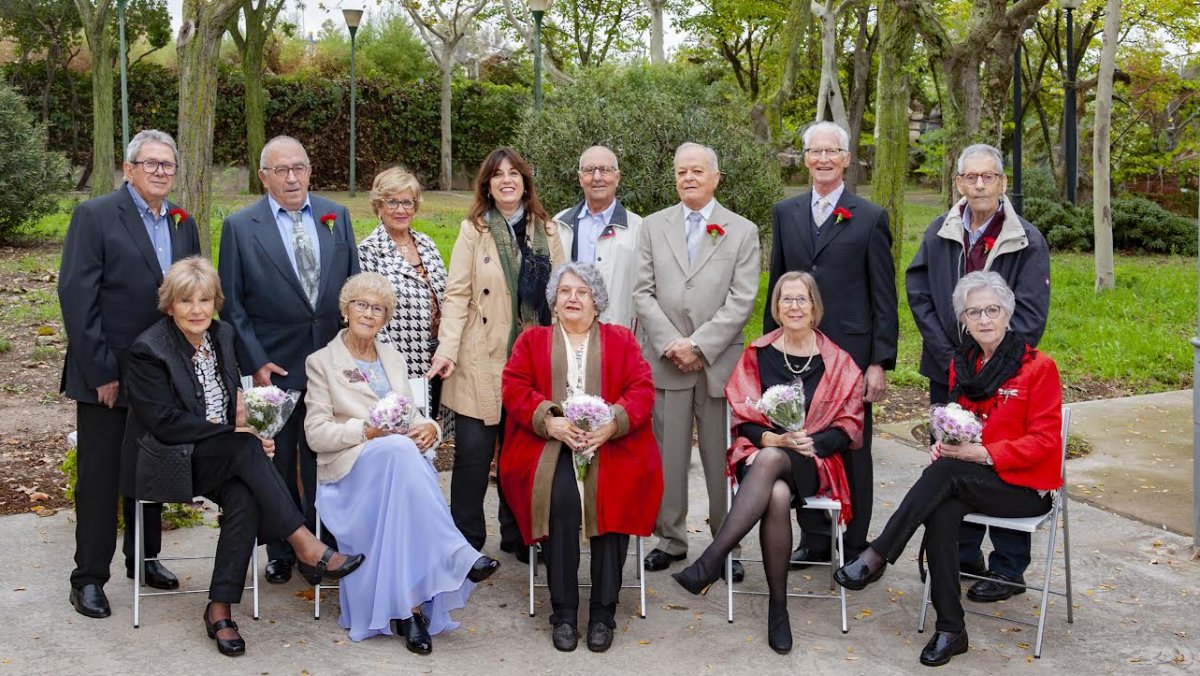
695	578
779	627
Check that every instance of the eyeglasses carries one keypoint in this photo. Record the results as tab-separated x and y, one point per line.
394	204
152	166
824	152
992	311
794	301
604	170
363	306
987	176
567	292
282	171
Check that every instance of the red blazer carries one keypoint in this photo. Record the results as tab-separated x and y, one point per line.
1022	427
628	475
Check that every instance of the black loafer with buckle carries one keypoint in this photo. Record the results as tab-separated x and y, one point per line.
657	559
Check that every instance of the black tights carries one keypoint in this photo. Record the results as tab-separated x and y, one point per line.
765	498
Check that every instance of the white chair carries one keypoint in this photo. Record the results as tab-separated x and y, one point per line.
640	586
829	505
139	557
1031	524
420	392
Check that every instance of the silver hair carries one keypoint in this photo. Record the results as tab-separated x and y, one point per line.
712	154
616	163
981	149
590	275
842	135
153	136
982	281
262	157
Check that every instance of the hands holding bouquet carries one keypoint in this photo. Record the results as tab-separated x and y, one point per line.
958	434
263	411
784	406
586	423
394	415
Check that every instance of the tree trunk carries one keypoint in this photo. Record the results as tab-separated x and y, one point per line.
199	42
860	90
896	36
256	102
446	180
100	41
794	27
657	53
1102	188
830	92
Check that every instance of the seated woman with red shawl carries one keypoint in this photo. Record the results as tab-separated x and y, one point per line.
622	485
777	468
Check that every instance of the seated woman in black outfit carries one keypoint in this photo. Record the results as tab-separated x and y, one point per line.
182	383
776	468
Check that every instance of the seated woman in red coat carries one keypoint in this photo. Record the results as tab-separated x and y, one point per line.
621	487
778	469
1015	391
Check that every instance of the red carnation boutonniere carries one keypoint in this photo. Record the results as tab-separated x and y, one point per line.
607	232
842	214
329	220
177	216
988	243
715	232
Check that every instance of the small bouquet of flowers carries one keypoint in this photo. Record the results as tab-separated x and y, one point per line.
587	413
953	424
268	408
783	405
393	413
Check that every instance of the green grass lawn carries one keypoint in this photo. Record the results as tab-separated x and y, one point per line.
1134	338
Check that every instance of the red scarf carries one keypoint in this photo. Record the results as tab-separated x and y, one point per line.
837	402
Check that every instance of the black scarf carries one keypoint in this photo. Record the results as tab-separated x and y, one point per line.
1010	354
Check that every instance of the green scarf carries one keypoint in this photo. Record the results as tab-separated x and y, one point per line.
523	314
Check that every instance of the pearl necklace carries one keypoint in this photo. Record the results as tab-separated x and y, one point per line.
788	364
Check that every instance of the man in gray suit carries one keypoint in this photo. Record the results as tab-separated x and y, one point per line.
282	264
698	266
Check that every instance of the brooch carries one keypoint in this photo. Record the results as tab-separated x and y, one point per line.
1007	393
354	376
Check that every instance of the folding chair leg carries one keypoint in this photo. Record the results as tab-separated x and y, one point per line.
924	604
839	544
139	563
532	569
1037	650
254	576
728	557
1066	526
641	578
316	587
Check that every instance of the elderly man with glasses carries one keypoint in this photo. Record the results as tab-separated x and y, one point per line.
283	261
116	250
981	232
601	231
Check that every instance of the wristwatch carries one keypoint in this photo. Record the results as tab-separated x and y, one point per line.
695	348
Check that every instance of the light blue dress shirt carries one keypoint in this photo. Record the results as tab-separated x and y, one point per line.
590	234
157	227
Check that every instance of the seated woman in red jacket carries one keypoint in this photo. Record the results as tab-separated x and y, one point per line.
1015	391
622	486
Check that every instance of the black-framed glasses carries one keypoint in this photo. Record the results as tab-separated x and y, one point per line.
394	204
992	311
364	307
987	177
283	171
152	166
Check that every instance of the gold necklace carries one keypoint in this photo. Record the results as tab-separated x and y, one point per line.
788	364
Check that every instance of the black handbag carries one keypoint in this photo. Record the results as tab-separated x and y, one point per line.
532	280
164	472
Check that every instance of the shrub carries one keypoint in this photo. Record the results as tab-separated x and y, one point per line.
1061	224
1038	183
1143	226
30	175
643	114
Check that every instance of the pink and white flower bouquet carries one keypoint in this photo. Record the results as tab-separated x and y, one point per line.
783	405
588	413
268	408
953	424
393	413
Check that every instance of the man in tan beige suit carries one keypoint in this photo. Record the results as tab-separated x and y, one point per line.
698	266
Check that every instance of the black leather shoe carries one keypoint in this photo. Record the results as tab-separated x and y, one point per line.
315	574
416	635
695	579
565	637
279	571
973	567
739	571
483	569
90	601
942	647
599	637
657	559
779	629
230	647
856	575
156	575
988	591
804	557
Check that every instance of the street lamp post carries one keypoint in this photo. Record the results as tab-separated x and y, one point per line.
1196	430
124	76
538	9
353	17
1071	137
1018	198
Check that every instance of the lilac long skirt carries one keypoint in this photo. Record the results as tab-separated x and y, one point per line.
390	508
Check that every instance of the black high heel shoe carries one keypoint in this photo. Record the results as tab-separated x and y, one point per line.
695	579
857	574
483	569
232	647
321	571
416	635
779	628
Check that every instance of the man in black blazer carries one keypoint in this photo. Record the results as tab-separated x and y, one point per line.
117	248
282	264
844	242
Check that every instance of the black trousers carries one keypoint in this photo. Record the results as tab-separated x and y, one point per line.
473	445
1010	548
561	551
232	471
947	491
297	465
101	432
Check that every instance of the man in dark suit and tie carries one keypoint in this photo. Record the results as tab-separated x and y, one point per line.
282	264
115	253
844	242
697	277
